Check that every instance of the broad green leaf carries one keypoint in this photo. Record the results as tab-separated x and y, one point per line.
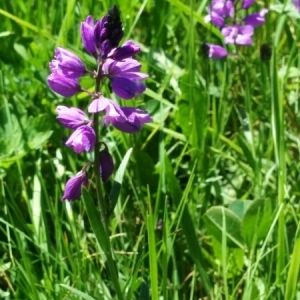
239	207
116	187
96	222
256	221
293	274
214	220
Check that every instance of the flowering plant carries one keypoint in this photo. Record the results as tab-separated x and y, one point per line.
101	40
224	15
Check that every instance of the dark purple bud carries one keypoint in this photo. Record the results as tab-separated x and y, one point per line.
73	186
62	85
114	26
87	35
265	52
67	63
106	164
127	50
126	88
83	138
71	117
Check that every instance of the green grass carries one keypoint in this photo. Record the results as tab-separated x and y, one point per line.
209	205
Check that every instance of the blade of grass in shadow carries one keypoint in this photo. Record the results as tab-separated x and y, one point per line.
277	121
152	254
102	238
292	280
187	225
77	292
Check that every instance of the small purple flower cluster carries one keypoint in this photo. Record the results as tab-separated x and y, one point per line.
101	39
238	32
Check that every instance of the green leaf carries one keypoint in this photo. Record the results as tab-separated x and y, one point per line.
239	207
77	292
96	222
257	221
214	219
293	274
116	187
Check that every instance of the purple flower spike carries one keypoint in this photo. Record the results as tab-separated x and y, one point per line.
83	138
247	3
256	19
240	35
216	51
73	186
106	164
67	63
128	49
87	35
71	117
62	85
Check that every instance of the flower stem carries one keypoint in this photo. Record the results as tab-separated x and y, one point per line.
103	209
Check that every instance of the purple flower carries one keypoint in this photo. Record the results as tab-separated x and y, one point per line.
216	51
135	119
128	49
67	63
125	77
73	186
62	85
247	3
87	35
71	117
214	18
100	38
106	164
126	119
256	19
240	35
218	10
83	138
297	5
222	8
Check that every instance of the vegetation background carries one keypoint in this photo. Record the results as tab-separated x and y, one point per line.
209	207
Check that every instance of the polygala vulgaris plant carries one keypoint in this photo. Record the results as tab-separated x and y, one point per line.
224	14
101	39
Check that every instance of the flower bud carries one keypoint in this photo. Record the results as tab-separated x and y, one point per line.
62	85
106	164
73	186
